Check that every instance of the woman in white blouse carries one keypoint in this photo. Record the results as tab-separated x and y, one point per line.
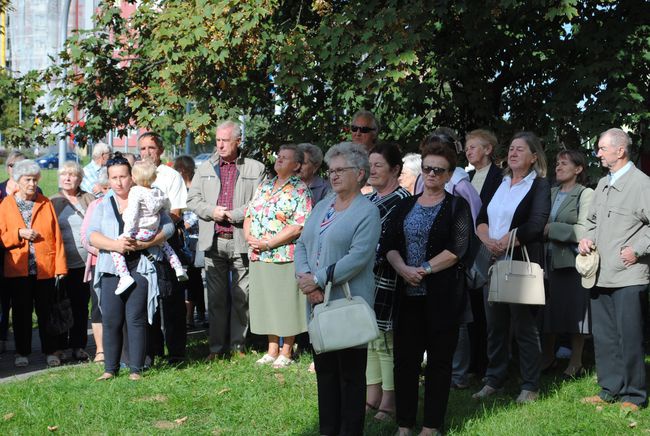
521	202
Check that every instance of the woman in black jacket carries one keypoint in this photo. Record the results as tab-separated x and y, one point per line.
522	202
429	234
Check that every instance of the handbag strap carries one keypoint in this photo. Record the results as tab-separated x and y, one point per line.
510	252
330	283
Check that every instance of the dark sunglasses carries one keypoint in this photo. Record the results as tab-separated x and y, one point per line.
437	171
362	129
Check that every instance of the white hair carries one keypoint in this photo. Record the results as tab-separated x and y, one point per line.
26	167
618	138
99	149
413	163
236	128
355	155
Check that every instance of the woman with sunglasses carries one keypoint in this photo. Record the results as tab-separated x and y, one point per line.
522	202
429	234
135	306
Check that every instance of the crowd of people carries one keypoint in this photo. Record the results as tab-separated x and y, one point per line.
135	237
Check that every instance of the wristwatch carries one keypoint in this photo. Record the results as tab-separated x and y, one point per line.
427	267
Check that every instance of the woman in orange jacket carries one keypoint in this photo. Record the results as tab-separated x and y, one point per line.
34	257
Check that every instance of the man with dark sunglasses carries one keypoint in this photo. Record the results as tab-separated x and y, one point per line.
364	129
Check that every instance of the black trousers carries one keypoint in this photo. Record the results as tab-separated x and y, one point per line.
27	294
168	326
414	335
5	305
341	379
129	307
95	313
79	294
478	334
617	325
194	290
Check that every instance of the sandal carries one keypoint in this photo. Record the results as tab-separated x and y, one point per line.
384	415
53	360
267	359
134	376
105	376
282	362
99	357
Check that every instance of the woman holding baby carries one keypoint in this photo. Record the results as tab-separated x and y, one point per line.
135	305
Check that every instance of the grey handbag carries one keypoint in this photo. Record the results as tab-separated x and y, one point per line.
343	323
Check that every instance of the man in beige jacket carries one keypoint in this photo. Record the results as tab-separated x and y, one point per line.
618	227
220	191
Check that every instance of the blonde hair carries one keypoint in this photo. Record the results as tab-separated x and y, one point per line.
144	173
71	167
485	136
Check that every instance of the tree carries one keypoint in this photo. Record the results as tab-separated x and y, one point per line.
566	69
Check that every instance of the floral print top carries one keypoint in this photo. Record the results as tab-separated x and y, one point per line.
271	210
26	208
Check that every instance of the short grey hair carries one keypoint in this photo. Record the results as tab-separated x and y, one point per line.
102	178
354	154
413	163
100	148
315	153
26	167
14	156
618	138
236	128
368	115
71	166
298	154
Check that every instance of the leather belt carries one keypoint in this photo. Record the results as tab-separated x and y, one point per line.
224	235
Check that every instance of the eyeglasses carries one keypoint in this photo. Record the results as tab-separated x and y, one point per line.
362	129
339	171
437	171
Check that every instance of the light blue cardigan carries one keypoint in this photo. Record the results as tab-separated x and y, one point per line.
105	222
350	242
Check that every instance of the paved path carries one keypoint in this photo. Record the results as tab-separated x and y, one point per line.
37	364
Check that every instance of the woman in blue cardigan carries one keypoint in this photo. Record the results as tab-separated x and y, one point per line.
343	229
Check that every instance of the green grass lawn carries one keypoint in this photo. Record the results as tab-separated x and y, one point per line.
237	397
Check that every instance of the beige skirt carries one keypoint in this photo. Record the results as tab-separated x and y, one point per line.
276	305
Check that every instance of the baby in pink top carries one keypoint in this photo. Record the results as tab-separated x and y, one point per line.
141	221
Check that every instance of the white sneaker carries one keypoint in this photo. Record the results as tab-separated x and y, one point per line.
527	397
21	361
180	274
123	284
485	392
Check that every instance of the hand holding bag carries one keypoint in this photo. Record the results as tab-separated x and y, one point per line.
343	323
60	318
516	281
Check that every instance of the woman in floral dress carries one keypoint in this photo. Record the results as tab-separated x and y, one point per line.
274	220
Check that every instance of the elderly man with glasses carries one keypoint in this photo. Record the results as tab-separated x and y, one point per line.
365	129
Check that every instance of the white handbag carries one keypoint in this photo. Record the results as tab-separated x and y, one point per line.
343	323
516	281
